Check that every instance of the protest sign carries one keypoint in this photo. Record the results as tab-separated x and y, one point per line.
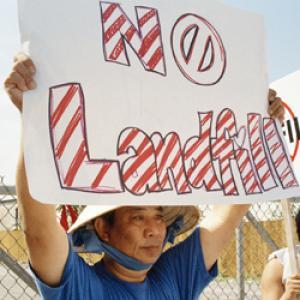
140	102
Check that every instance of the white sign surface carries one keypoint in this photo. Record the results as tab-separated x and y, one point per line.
140	102
288	88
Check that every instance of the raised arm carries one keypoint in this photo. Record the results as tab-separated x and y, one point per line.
217	229
46	240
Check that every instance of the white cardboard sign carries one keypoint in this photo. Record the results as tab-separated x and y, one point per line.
143	102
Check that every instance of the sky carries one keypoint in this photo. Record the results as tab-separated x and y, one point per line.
282	21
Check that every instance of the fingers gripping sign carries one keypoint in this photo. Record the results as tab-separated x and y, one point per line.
21	79
276	108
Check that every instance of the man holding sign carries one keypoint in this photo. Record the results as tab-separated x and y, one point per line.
150	83
135	265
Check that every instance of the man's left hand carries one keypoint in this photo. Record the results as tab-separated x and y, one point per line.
276	108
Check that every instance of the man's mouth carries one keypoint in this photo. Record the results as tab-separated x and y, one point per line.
152	247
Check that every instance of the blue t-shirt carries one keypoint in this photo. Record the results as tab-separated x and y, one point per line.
178	274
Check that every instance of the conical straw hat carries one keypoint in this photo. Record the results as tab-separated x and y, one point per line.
191	215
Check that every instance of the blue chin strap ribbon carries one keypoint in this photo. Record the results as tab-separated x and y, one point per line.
88	239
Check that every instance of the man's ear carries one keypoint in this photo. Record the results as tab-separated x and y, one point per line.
102	229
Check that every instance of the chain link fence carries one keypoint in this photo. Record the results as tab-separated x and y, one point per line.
15	279
240	265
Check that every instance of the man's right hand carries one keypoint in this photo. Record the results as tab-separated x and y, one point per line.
21	79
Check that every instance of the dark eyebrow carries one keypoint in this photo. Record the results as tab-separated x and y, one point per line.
160	208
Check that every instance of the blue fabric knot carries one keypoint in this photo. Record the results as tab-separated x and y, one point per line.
88	239
173	229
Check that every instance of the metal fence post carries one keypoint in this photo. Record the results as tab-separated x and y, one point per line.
240	261
262	231
18	270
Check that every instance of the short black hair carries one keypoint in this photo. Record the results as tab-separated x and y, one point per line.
109	217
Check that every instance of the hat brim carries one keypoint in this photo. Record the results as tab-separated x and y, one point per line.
191	216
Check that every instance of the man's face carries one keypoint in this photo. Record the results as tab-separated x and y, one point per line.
138	232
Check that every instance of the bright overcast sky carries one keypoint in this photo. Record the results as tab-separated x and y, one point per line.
282	20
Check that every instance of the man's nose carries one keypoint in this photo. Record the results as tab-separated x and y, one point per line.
151	229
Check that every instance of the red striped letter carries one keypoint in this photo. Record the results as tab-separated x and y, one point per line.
145	40
75	168
139	171
198	157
